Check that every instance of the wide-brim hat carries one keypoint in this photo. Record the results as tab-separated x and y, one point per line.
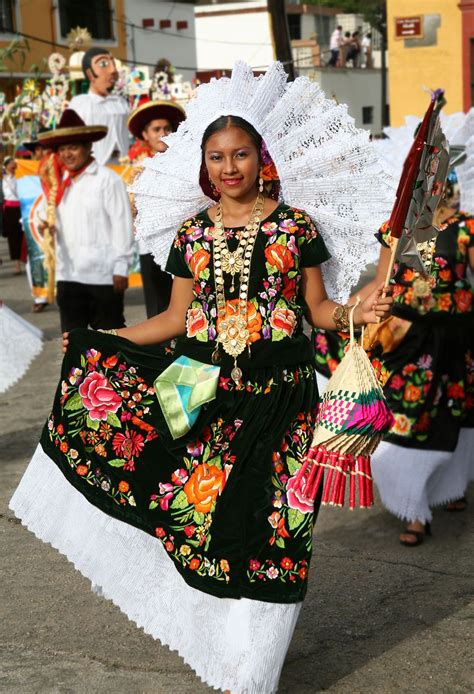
151	110
32	144
71	128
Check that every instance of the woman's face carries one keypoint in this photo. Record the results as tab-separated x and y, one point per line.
232	162
11	167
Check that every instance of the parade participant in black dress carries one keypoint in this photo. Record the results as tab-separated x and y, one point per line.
178	470
426	362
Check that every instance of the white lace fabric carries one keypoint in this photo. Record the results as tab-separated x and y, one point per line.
20	343
411	482
458	129
326	166
231	644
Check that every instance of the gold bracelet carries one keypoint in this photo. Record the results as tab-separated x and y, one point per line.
340	316
110	331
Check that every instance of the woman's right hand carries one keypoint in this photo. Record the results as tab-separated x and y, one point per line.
65	342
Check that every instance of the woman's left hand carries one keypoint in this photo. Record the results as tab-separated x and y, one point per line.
375	308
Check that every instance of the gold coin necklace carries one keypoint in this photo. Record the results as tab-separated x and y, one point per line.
233	333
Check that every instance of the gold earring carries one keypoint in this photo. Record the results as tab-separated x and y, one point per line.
260	184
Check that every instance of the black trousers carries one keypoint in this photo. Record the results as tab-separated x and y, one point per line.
156	286
89	305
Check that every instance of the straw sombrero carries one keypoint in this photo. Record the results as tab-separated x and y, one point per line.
71	128
152	110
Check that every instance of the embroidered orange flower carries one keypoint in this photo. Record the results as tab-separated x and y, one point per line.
402	425
463	300
82	470
196	322
254	318
202	488
408	275
199	262
194	564
224	564
412	393
279	256
283	319
444	302
470	225
445	275
123	487
64	447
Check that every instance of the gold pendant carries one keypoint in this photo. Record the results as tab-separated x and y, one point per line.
232	263
216	356
236	373
233	334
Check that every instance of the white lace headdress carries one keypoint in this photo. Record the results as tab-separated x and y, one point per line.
458	129
326	166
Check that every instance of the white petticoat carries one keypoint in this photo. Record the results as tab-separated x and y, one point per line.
20	343
249	638
412	481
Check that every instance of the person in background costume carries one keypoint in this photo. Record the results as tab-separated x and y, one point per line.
100	107
186	513
11	214
426	357
149	124
94	239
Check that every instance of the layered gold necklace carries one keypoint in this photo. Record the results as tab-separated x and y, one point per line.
232	330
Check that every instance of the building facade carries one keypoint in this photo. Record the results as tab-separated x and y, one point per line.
431	46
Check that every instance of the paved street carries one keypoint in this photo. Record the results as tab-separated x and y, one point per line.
378	618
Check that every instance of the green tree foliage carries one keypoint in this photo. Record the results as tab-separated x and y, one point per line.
374	11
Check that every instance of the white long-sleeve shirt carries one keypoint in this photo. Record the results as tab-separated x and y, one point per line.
9	188
111	111
94	238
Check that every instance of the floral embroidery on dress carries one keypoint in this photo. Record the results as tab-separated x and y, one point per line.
100	400
447	288
276	312
191	494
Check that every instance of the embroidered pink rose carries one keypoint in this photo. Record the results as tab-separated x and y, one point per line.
98	396
295	495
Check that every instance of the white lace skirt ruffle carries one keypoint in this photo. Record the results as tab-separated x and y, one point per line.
412	481
20	343
129	567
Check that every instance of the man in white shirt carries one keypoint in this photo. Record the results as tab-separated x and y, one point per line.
149	123
335	45
94	239
99	107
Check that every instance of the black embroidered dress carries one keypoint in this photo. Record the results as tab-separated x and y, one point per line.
221	500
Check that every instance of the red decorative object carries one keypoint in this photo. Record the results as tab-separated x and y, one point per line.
147	23
181	25
165	23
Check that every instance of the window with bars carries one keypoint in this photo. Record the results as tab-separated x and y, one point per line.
7	16
96	15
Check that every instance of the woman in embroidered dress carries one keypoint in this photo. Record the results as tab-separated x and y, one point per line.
426	361
207	533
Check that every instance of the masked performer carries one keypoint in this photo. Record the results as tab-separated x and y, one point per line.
149	124
100	107
187	514
93	237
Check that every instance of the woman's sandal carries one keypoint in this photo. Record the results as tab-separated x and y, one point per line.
417	534
456	505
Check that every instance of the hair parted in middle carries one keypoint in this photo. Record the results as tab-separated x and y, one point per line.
224	122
